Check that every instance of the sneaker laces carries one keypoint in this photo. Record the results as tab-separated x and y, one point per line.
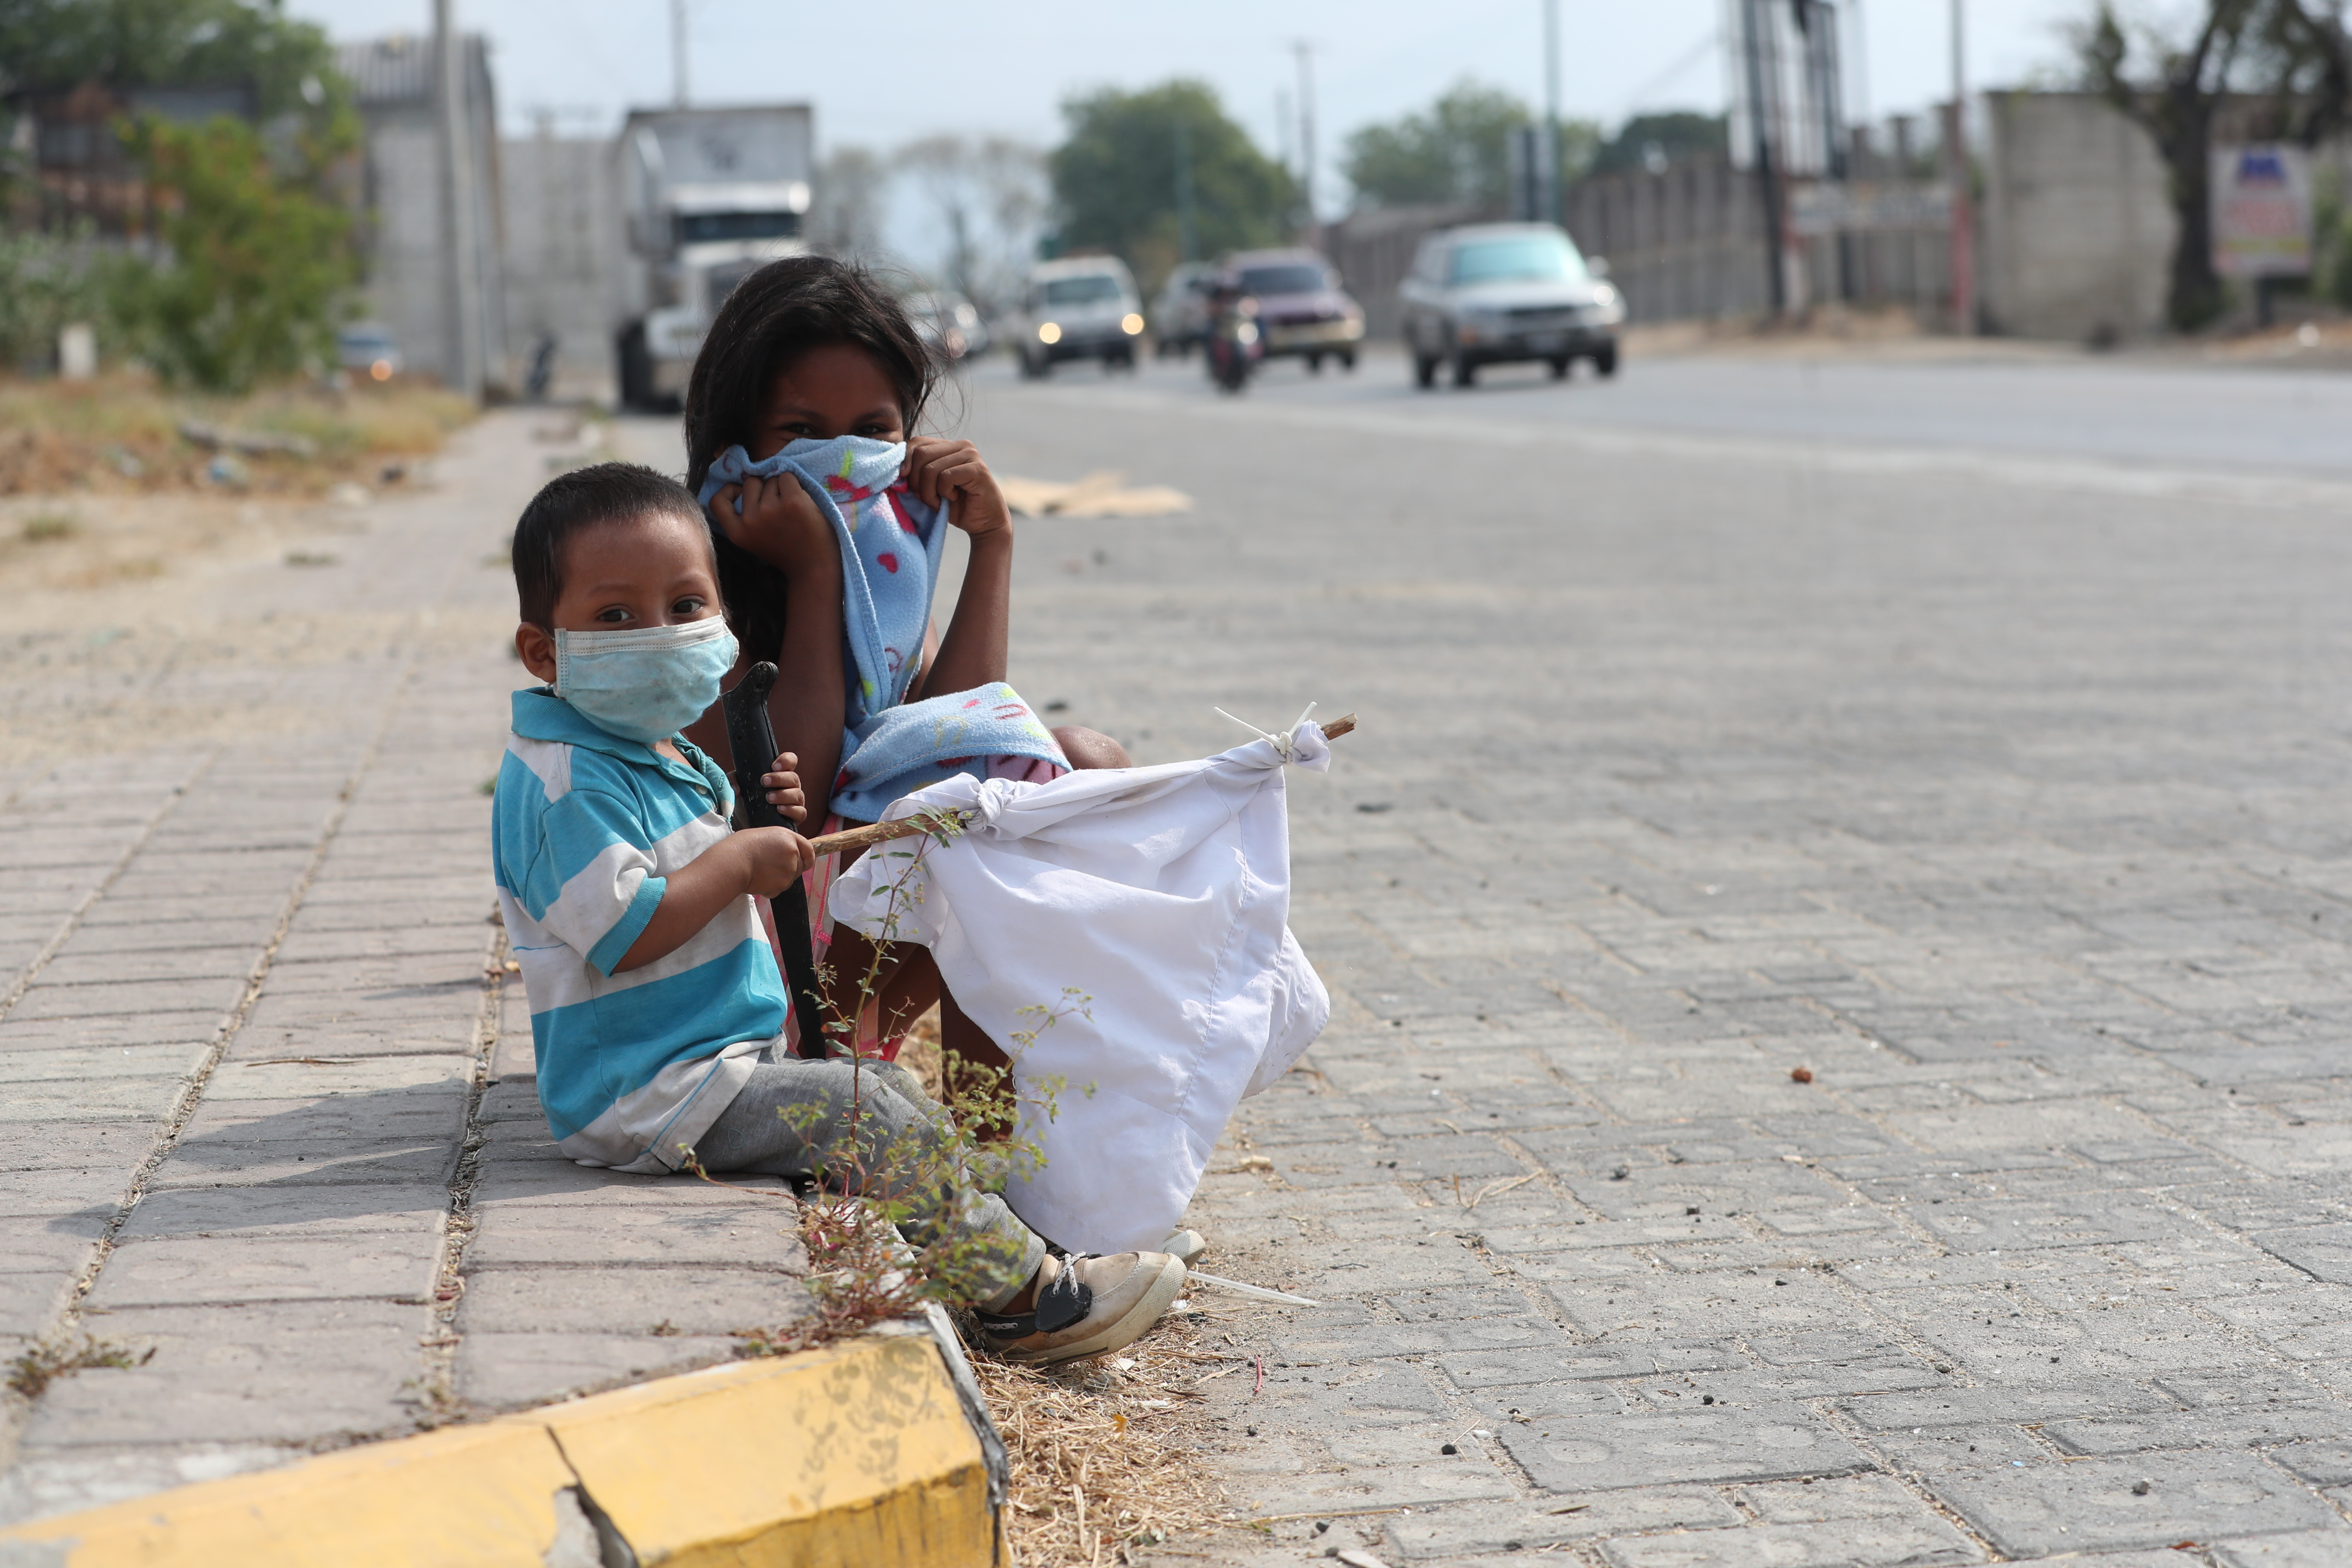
1062	1300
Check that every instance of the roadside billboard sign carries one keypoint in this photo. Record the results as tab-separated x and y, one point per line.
2262	211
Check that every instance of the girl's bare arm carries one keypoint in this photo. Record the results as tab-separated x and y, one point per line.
976	646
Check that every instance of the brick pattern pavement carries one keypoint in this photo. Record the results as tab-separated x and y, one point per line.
2007	802
2004	801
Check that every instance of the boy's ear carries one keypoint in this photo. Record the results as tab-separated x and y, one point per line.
535	646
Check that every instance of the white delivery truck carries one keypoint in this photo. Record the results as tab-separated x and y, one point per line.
711	194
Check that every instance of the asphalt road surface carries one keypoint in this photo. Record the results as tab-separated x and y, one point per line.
2137	409
1972	737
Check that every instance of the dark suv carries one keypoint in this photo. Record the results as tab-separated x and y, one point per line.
1302	310
1497	293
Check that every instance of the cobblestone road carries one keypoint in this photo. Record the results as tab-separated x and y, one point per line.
2006	799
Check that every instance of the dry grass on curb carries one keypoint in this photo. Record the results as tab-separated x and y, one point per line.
1106	1458
122	434
1106	1453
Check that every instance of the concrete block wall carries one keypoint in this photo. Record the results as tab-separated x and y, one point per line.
1680	244
564	226
2077	231
407	287
407	219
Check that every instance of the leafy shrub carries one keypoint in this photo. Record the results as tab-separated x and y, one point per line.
260	262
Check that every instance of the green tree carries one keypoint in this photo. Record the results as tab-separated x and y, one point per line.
260	265
1115	177
254	228
1676	133
2293	52
1458	150
53	45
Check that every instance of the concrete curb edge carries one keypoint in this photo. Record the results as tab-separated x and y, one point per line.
863	1452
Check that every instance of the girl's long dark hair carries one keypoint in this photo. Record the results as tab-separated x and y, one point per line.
775	316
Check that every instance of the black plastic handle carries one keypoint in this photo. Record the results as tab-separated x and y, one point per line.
752	740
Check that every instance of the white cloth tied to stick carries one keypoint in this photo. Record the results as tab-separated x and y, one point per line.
1145	909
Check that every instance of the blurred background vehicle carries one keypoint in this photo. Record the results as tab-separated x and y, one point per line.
712	194
366	348
1500	292
1235	345
1180	317
1303	313
950	325
1082	308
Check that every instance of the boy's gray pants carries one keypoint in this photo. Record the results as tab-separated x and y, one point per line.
793	1117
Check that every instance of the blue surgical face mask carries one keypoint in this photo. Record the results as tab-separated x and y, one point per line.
647	683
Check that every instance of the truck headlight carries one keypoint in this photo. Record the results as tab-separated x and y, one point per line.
1048	333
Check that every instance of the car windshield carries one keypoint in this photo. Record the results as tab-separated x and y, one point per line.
704	228
1290	277
1091	289
1520	259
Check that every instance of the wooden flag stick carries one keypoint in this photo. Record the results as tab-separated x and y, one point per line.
908	827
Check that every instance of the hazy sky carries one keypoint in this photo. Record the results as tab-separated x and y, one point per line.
884	75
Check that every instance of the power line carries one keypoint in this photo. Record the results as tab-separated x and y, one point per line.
1704	49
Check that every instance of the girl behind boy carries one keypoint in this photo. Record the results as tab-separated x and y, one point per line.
828	515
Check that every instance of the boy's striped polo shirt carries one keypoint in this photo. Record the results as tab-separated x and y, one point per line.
586	828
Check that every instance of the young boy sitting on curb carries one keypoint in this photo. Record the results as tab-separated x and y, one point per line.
656	1008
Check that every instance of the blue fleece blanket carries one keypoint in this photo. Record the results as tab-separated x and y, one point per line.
918	745
891	544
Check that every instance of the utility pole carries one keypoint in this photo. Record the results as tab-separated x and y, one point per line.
462	257
677	52
1187	228
1550	164
1956	159
1307	141
1754	18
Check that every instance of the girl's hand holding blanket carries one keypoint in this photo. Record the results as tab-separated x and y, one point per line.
953	471
775	520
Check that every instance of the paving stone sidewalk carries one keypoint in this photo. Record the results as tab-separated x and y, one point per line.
2009	803
269	1127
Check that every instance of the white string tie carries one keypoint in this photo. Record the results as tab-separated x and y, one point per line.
1282	743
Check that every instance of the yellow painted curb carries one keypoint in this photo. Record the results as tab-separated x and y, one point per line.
857	1454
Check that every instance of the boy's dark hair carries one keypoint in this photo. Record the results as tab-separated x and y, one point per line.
572	503
775	316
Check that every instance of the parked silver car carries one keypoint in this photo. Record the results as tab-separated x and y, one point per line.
1499	293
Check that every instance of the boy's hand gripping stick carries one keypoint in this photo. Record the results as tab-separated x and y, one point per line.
753	741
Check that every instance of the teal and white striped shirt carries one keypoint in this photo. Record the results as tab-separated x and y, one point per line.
586	827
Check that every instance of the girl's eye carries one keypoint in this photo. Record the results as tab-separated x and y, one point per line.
614	613
690	605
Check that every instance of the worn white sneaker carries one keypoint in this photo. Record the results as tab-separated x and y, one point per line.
1085	1306
1185	1245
